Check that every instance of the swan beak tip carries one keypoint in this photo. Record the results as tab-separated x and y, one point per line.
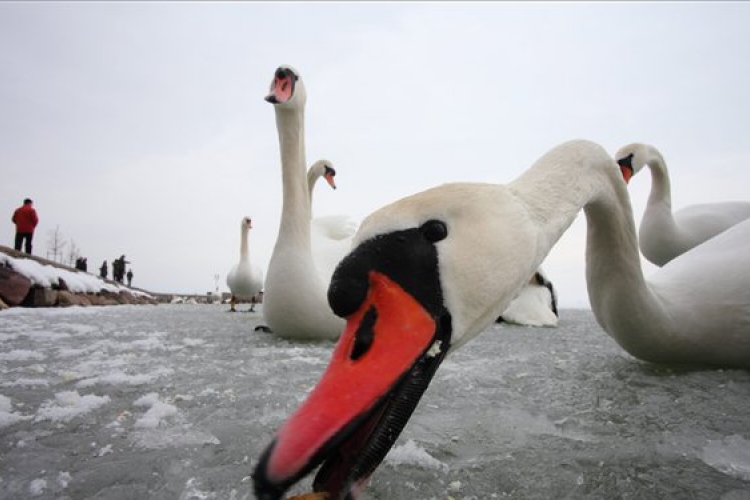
627	173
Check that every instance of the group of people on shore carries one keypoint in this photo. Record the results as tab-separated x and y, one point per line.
118	270
26	219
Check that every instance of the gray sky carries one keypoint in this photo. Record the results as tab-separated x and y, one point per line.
140	128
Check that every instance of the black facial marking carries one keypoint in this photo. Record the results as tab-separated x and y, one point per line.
364	336
407	257
329	170
626	161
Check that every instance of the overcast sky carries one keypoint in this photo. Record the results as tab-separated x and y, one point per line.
140	128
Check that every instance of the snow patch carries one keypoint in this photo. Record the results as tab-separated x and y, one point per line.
21	355
37	487
7	416
27	382
730	455
411	454
68	405
157	412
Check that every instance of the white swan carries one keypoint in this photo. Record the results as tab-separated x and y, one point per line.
321	168
536	305
431	271
244	280
663	235
330	235
294	300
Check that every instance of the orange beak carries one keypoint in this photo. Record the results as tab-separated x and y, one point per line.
626	167
350	420
329	179
282	86
627	173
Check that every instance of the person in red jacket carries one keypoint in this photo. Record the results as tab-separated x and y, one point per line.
25	219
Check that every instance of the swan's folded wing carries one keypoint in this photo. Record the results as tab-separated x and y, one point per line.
335	227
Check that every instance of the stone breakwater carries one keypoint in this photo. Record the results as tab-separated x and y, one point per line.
23	288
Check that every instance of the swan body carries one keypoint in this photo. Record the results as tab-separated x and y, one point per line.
244	280
536	305
294	301
429	272
664	235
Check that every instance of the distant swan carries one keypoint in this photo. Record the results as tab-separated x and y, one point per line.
431	271
330	235
663	235
536	305
294	302
244	279
321	168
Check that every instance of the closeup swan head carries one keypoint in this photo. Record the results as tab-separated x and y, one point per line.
247	223
632	158
287	90
323	168
426	274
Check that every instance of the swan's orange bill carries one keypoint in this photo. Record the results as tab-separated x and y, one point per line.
627	173
364	368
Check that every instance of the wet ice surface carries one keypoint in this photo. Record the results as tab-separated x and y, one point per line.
178	401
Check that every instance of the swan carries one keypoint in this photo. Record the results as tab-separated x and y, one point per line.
663	235
321	168
330	235
536	305
244	280
429	272
294	300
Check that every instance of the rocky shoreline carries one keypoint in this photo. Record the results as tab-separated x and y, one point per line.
18	289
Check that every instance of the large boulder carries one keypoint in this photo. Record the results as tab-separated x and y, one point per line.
67	299
40	297
13	286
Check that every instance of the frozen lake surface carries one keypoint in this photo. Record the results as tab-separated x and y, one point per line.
178	401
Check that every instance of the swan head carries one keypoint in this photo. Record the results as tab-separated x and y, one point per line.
324	169
632	158
425	274
247	223
287	90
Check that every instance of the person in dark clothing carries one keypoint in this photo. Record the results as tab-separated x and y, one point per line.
130	276
82	264
103	270
118	268
116	271
25	218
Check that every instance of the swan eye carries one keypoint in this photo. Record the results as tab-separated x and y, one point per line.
434	230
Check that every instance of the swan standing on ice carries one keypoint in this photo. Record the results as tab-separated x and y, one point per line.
244	279
429	272
294	302
663	235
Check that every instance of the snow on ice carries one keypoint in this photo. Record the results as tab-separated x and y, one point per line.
178	401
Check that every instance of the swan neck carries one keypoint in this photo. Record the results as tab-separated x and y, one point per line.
243	242
582	176
295	211
554	190
661	192
312	177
